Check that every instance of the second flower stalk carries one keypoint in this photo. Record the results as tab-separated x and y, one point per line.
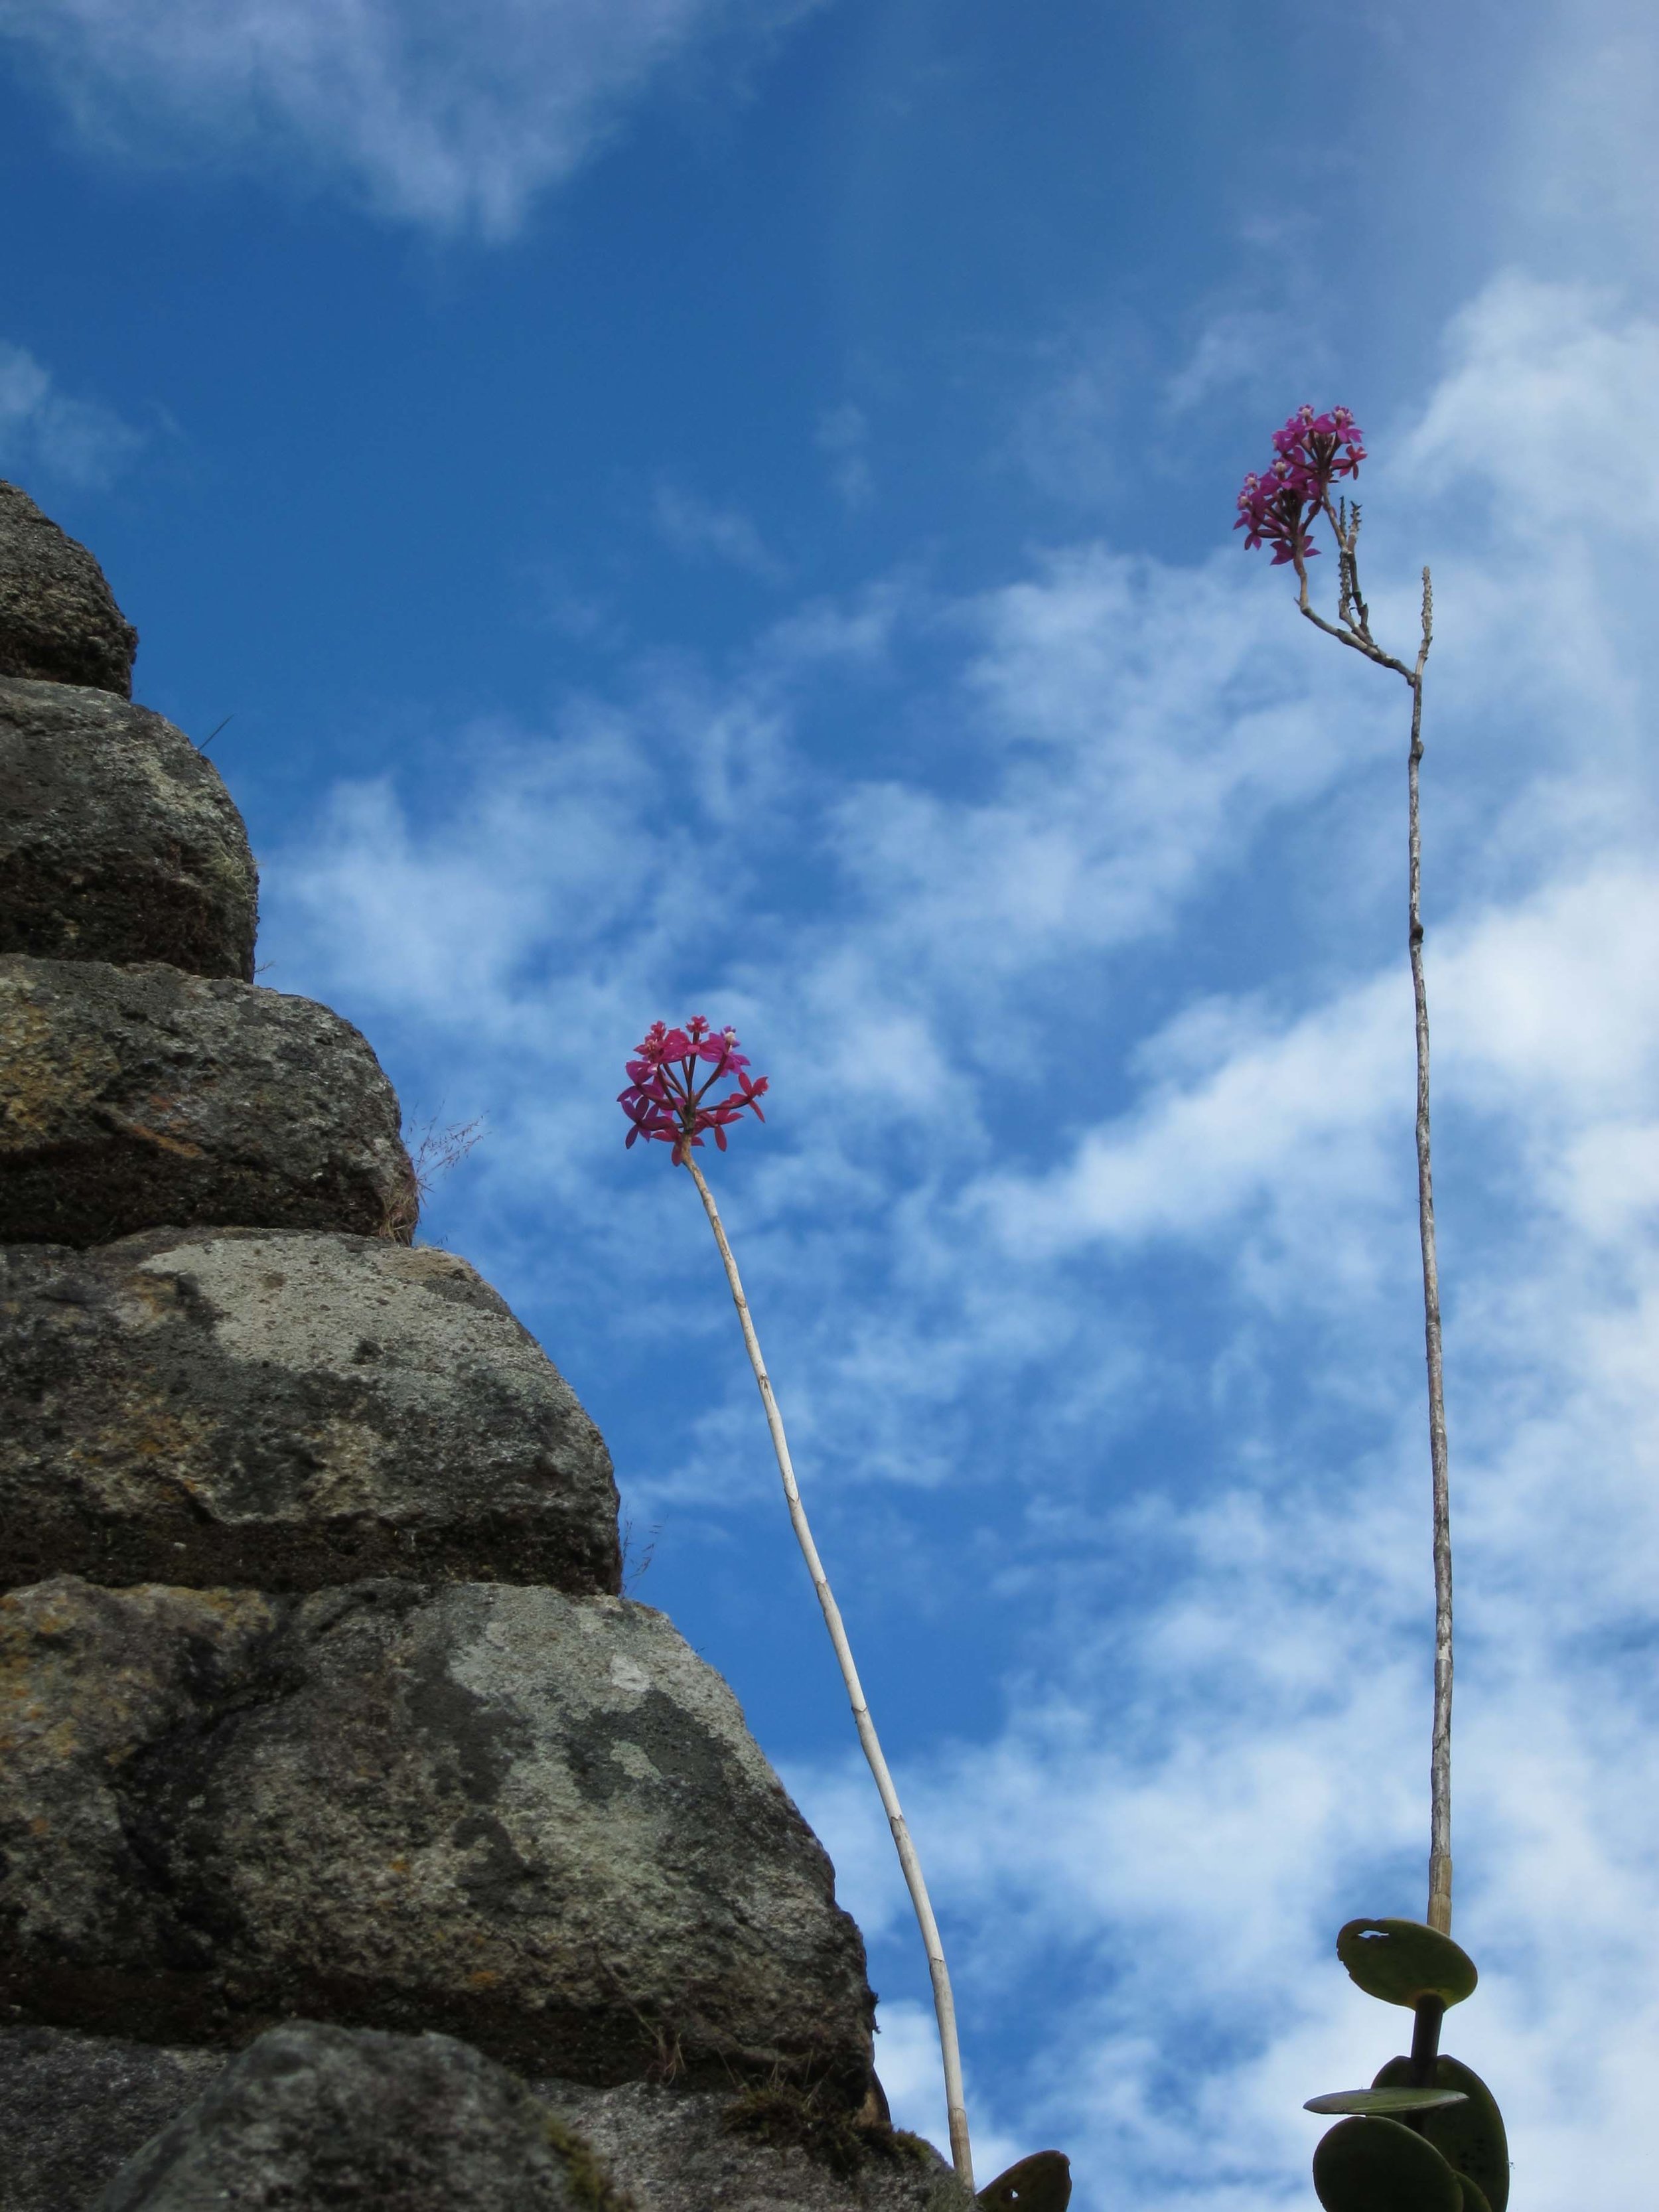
668	1101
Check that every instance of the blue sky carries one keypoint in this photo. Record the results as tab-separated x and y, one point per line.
725	507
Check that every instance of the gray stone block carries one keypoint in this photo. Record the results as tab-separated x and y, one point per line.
117	840
535	1821
678	2152
58	620
287	1409
314	2117
139	1098
75	2109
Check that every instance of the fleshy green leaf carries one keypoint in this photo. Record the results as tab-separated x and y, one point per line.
1042	2183
1469	2135
1383	2104
1403	1961
1379	2166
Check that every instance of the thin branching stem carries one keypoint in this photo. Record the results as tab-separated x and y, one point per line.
944	2004
1353	630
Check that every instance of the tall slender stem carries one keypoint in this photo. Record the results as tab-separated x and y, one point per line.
1354	628
944	2004
1440	1861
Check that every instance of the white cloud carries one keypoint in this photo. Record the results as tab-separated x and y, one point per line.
446	116
1542	407
699	531
843	438
1140	724
1582	163
1184	1805
907	2059
1552	1011
1243	345
42	428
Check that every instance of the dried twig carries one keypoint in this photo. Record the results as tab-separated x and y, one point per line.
434	1152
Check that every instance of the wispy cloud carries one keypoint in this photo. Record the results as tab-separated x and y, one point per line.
1581	161
1244	346
1552	1007
700	531
452	119
43	428
843	438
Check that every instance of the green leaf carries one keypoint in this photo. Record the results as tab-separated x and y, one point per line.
1379	2166
1383	2104
1042	2183
1469	2135
1403	1961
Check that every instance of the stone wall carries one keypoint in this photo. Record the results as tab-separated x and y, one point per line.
342	1793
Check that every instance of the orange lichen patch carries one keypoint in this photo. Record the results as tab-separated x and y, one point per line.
49	1079
153	1296
52	1614
131	1126
248	1610
346	1456
26	1720
147	1427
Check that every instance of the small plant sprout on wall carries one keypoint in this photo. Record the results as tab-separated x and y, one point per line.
668	1101
1426	2136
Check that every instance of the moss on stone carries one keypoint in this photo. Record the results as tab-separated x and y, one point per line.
811	2121
589	2183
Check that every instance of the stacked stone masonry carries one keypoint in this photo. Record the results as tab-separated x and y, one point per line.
288	1409
326	1736
117	840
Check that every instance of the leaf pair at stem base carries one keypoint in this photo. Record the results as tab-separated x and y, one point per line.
1427	2136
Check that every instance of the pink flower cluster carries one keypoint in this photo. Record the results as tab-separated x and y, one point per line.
1310	454
663	1099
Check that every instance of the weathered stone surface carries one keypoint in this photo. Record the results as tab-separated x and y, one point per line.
313	2118
74	2109
288	1409
674	2151
535	1821
59	619
117	840
141	1099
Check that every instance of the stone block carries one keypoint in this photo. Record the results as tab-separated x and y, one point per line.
139	1098
759	2152
287	1409
75	2109
58	620
313	2117
117	840
534	1820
